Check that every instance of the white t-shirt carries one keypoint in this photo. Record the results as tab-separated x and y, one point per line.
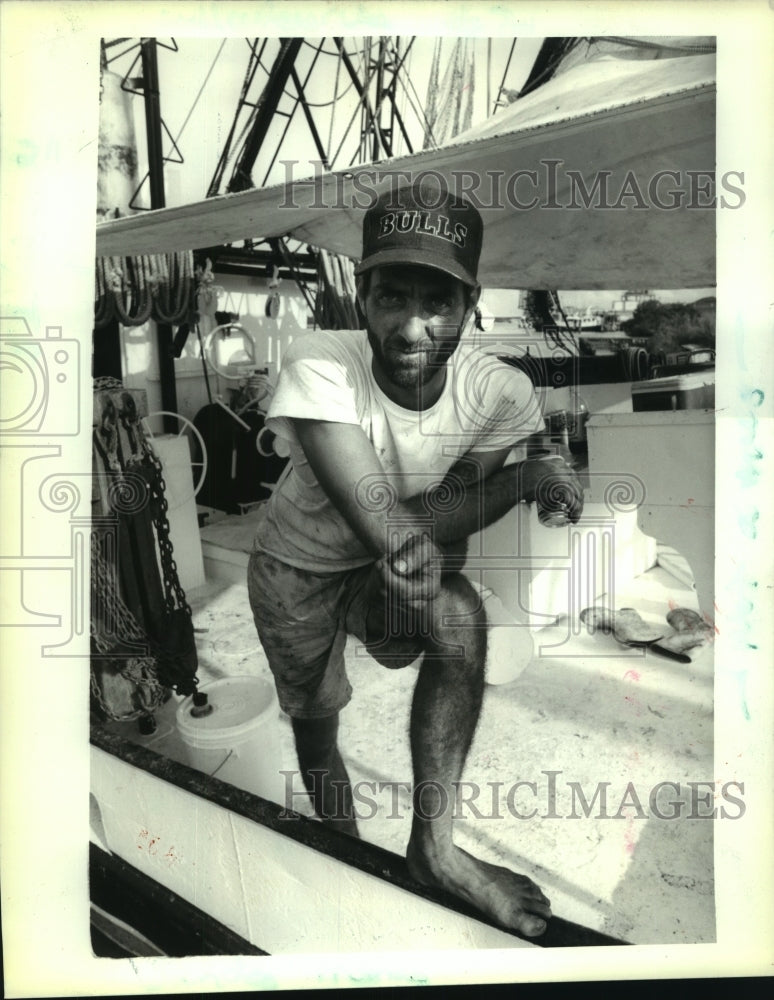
485	405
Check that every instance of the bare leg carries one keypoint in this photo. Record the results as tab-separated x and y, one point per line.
324	773
445	711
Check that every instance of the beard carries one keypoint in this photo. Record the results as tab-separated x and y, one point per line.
414	367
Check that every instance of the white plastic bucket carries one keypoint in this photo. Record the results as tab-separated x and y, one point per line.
509	644
238	741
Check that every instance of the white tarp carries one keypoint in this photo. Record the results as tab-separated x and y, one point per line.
602	178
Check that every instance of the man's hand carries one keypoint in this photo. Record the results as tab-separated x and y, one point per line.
411	573
552	483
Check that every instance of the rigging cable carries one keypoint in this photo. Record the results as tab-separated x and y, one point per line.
640	43
201	89
293	97
321	51
421	116
360	105
571	45
335	98
505	74
327	104
380	95
290	115
395	73
402	110
488	74
252	65
557	335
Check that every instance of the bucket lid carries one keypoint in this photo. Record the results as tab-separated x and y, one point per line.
238	705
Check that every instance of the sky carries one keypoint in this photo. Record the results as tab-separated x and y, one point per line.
200	83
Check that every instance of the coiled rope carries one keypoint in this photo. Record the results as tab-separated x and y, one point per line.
133	290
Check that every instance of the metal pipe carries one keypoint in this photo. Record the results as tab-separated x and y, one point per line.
164	339
150	77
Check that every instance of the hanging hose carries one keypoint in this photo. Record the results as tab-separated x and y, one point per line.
133	301
150	286
172	280
204	363
104	307
246	367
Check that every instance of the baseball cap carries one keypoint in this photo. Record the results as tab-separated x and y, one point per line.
423	223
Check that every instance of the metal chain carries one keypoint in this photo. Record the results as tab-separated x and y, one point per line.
147	687
106	383
174	593
142	671
138	670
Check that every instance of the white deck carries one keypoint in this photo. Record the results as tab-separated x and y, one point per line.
585	708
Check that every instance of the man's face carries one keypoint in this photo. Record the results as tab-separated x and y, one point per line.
414	317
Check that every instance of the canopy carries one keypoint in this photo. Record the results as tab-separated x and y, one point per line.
601	178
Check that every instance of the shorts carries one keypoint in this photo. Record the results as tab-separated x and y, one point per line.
303	620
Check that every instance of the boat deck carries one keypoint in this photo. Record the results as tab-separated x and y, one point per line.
586	717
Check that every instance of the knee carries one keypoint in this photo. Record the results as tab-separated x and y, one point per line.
459	620
459	602
452	624
453	555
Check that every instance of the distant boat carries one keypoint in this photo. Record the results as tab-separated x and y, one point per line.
625	307
580	322
590	322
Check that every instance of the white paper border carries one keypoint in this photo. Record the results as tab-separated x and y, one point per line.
50	73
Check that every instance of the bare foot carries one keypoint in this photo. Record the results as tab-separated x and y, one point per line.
512	900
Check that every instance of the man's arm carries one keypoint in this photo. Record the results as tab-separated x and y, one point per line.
343	461
478	490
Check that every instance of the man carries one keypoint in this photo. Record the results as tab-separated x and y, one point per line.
398	437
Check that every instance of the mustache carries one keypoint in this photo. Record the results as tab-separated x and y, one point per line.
407	349
425	347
